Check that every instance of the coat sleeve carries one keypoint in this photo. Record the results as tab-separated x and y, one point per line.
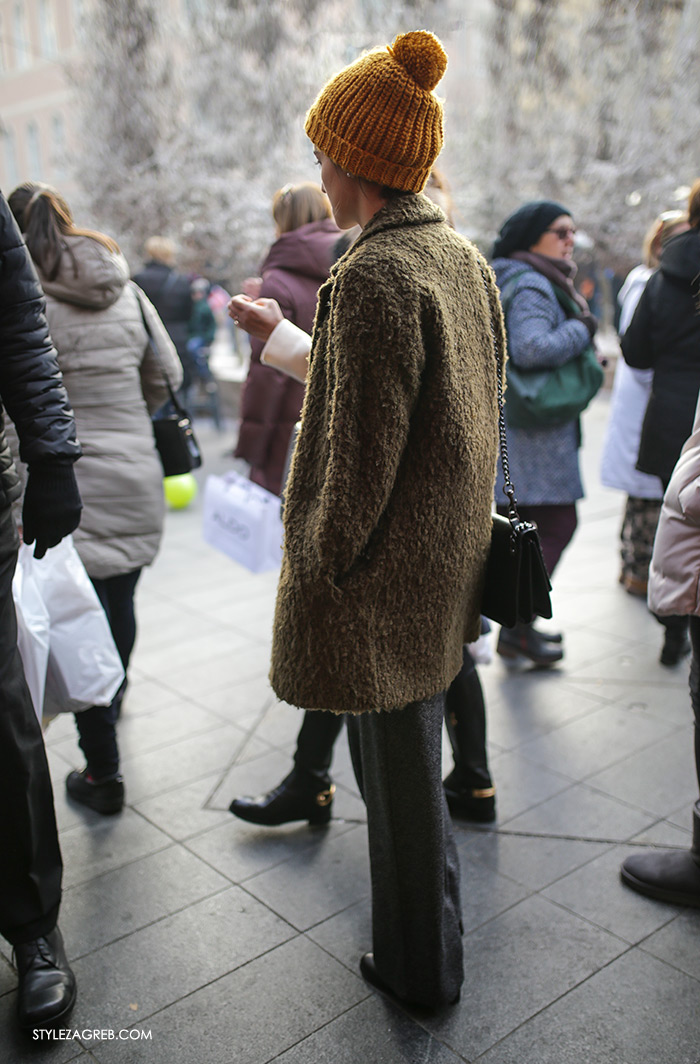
537	338
160	357
31	385
636	344
376	361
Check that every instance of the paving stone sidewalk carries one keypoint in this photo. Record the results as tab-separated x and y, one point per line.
228	944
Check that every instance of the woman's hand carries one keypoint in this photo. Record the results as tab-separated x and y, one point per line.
257	317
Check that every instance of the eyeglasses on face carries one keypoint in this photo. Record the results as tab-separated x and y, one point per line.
564	232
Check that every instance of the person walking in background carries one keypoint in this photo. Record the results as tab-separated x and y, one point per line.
630	395
296	265
388	506
114	378
201	335
33	396
674	580
548	324
664	337
171	294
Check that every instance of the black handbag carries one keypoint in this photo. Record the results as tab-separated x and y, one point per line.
517	583
172	426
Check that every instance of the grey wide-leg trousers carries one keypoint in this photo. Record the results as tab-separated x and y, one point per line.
416	913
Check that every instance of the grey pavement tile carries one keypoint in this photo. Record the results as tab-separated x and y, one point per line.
239	850
533	953
249	1016
588	647
159	964
100	844
519	707
660	778
668	832
678	943
484	892
668	703
163	727
131	897
279	725
8	975
317	882
185	810
192	757
374	1032
532	861
224	671
520	784
143	695
636	1011
250	776
583	747
240	700
585	813
597	893
195	650
632	663
348	934
18	1047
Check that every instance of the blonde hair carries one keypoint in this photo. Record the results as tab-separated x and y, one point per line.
658	233
296	205
161	249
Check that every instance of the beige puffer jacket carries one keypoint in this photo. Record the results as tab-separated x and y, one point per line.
114	382
674	574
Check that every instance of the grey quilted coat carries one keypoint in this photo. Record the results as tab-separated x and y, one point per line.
114	382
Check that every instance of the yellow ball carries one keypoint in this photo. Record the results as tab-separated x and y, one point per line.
179	490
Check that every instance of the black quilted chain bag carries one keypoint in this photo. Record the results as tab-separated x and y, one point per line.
517	583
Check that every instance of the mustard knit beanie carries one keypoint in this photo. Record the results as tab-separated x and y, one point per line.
379	119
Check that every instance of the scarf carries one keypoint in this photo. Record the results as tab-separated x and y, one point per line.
560	272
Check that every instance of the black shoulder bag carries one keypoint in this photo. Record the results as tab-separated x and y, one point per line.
172	426
517	583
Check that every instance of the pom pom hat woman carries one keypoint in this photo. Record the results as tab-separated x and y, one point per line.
388	506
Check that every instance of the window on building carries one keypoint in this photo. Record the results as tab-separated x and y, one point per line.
47	29
20	37
58	145
33	152
10	153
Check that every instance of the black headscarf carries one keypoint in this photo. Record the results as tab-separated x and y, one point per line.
524	227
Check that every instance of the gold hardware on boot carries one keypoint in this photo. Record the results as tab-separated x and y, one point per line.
324	798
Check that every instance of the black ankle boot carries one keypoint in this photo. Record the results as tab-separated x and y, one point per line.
668	875
104	796
46	991
296	798
470	803
524	641
676	646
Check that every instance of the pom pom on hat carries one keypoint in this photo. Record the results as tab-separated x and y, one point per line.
422	57
379	119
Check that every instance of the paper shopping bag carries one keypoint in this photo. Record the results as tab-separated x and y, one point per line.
243	520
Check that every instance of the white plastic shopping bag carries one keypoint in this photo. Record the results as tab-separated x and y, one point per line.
84	668
243	520
32	627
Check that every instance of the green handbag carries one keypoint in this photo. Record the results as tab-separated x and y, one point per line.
545	398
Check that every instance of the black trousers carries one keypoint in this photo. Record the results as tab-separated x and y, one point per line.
97	726
30	858
465	715
414	868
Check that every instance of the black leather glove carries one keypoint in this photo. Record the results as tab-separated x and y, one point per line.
589	321
52	505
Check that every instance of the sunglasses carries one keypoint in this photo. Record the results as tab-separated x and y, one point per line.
563	232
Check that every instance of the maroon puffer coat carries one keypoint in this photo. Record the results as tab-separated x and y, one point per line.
296	265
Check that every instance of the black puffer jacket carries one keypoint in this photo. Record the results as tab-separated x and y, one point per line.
31	386
169	292
664	335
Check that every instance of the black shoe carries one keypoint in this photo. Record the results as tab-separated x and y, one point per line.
478	805
291	800
668	875
46	991
524	641
369	972
676	646
549	637
104	796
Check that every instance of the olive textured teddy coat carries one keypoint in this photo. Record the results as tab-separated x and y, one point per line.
388	509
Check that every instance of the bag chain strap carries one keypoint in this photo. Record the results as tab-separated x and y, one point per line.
508	486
